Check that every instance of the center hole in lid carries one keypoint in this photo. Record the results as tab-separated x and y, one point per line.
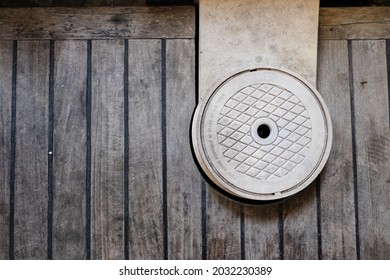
263	131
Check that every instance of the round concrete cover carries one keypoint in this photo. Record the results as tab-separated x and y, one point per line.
263	134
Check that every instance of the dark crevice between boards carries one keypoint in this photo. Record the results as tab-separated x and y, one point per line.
242	231
203	182
203	195
319	215
11	254
354	160
281	231
88	188
50	178
388	73
164	145
204	219
126	149
196	55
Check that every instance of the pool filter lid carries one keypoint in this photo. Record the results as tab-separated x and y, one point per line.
263	134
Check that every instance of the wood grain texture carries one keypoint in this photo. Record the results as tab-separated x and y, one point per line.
22	3
354	23
300	225
107	137
97	23
69	162
80	3
337	183
31	191
145	146
372	147
69	3
5	143
183	178
115	2
223	226
261	232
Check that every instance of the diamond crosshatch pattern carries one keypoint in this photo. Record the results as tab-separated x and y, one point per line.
264	161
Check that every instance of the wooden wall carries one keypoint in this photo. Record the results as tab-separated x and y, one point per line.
96	161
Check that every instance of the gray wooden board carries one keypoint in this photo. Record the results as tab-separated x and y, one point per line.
336	184
223	226
5	143
300	225
107	137
372	147
172	22
183	178
31	189
116	2
145	146
97	23
262	232
354	23
69	161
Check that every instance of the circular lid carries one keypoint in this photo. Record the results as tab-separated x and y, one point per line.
263	134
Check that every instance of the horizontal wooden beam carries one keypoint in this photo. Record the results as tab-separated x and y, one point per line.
97	23
165	22
354	23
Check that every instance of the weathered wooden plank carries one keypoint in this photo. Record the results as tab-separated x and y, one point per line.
262	232
183	177
74	3
115	2
145	146
31	190
5	143
300	225
97	23
336	180
31	3
372	147
69	162
354	23
107	138
223	226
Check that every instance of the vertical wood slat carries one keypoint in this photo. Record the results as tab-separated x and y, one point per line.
145	145
5	143
107	138
31	191
223	226
337	182
262	232
300	225
183	178
69	162
372	147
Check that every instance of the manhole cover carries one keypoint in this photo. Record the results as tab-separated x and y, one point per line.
263	134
